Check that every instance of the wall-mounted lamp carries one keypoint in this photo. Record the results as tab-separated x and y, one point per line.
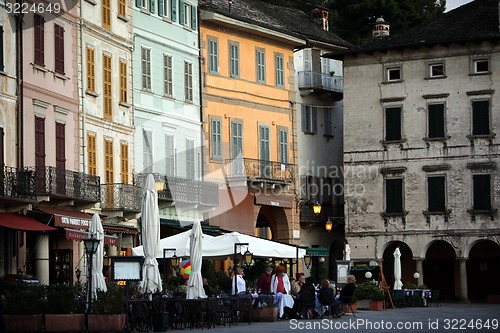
317	208
307	260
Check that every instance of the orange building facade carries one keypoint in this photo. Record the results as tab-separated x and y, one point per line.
249	125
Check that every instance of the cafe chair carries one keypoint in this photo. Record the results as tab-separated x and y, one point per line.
138	316
325	299
242	308
398	297
416	298
434	300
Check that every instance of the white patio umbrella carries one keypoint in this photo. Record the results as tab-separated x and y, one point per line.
98	282
150	220
195	281
398	285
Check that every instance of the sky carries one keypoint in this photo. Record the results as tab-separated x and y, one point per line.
452	4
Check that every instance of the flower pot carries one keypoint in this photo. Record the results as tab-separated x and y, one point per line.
107	322
73	322
23	323
376	305
269	313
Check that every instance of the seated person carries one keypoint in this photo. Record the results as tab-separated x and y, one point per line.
294	287
325	295
347	291
306	296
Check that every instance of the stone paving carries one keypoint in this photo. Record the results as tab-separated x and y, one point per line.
461	317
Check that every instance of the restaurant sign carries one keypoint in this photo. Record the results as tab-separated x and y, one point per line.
72	234
71	222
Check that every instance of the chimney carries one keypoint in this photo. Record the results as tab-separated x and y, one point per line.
321	17
380	28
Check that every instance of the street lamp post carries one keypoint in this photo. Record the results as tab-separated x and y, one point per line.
91	245
247	257
416	276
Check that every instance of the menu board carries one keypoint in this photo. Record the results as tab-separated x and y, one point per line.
126	268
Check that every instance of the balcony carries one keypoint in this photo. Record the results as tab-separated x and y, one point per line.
13	186
310	81
260	170
176	189
59	184
307	216
121	197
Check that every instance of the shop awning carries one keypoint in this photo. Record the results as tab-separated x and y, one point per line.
276	200
73	234
120	229
68	218
317	251
21	222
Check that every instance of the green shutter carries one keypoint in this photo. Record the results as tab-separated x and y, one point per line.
181	11
173	12
194	23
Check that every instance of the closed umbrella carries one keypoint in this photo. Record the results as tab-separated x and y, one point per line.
398	285
98	282
195	282
150	220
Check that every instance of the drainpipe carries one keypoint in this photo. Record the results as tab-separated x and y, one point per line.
19	88
82	95
200	56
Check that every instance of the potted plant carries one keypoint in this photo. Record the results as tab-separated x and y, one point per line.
377	301
63	308
108	310
22	307
365	292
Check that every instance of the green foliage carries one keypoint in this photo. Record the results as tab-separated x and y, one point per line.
65	298
111	301
23	299
367	290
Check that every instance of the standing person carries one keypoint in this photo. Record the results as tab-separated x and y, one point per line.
264	282
280	286
241	285
206	287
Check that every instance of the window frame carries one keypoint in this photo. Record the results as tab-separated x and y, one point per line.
386	124
432	193
216	139
213	55
260	55
236	136
474	65
147	155
168	76
328	122
165	8
436	65
283	145
107	86
146	79
308	119
123	80
188	82
393	69
122	8
479	207
394	211
279	71
106	14
39	40
234	59
169	154
90	62
59	49
436	137
474	132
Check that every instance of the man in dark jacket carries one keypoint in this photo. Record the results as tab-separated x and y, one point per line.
304	304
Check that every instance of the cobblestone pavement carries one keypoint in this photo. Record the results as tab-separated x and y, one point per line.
449	317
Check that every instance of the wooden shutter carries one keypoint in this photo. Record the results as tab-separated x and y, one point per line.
394	195
194	21
106	14
107	98
92	155
60	146
1	49
122	8
59	48
123	81
393	124
436	120
2	148
39	142
173	10
181	12
108	161
90	70
482	192
124	162
39	40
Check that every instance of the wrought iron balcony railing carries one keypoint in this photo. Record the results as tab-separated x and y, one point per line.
183	190
324	81
121	197
254	169
12	185
327	210
59	183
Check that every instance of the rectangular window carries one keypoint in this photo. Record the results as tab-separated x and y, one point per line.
393	124
146	68
435	119
60	146
141	3
436	194
109	177
234	60
308	119
394	74
106	14
39	40
481	117
481	66
147	147
328	125
40	142
216	144
167	75
169	155
280	71
213	56
90	69
122	8
124	162
123	81
261	66
92	155
481	192
436	70
1	49
107	94
190	163
187	15
236	139
264	152
283	146
188	81
59	48
394	195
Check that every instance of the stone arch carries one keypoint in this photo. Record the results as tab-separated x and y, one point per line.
407	264
277	221
441	269
483	269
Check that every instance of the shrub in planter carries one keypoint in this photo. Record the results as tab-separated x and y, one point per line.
65	298
367	290
108	310
22	307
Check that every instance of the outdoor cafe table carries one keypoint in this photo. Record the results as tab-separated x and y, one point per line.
426	294
281	301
